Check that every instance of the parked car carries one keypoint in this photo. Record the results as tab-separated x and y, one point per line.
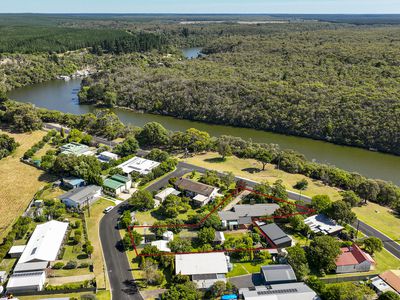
108	209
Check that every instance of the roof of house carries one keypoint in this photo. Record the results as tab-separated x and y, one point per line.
109	154
352	256
322	224
112	184
166	192
201	263
219	236
248	211
29	267
74	148
380	285
278	273
80	194
195	187
275	234
120	178
73	180
16	249
286	291
138	164
161	245
391	279
27	279
45	242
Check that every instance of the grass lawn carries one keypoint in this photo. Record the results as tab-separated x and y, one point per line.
380	218
92	224
101	295
73	272
7	264
18	181
251	169
244	268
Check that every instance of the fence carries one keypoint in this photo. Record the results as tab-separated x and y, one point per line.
348	278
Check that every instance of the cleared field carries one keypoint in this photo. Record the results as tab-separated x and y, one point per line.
251	169
18	181
381	218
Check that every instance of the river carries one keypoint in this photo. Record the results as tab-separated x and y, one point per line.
62	95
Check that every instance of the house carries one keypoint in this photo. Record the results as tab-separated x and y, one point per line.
45	242
165	193
81	197
161	245
26	282
75	149
203	268
353	259
139	165
387	281
322	224
286	291
277	274
275	236
241	215
72	182
31	267
117	184
16	251
107	156
200	193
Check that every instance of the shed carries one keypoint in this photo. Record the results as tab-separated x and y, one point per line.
117	184
72	182
107	156
165	193
276	274
16	251
275	236
26	282
161	245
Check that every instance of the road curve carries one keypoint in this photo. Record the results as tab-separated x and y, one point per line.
122	283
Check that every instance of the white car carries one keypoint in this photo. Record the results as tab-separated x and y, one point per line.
108	209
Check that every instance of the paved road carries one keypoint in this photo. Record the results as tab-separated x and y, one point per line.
123	286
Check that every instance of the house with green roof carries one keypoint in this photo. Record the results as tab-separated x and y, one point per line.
116	185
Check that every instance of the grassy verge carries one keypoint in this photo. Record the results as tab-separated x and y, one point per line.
18	181
381	218
92	223
250	168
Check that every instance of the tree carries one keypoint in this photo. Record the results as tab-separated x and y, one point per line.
389	295
297	223
125	219
346	290
279	191
323	252
153	134
224	149
88	248
23	117
152	274
368	190
128	147
128	237
297	258
180	246
301	184
372	244
173	205
321	203
77	236
142	200
218	288
341	212
185	291
159	228
263	156
157	155
110	99
206	235
351	198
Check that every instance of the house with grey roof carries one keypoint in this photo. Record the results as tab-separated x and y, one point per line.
277	274
241	215
275	236
81	196
286	291
200	193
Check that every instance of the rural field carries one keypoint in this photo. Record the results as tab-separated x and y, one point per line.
251	169
18	181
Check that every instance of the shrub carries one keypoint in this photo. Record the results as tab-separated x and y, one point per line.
71	265
58	265
84	265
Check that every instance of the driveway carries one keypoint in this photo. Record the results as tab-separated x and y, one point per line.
246	281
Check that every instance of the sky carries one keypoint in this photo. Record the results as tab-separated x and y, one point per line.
201	6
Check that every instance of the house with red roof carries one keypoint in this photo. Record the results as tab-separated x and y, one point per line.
353	259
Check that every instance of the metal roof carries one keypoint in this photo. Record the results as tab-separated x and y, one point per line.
195	187
45	242
286	291
138	164
112	184
17	249
275	234
201	263
27	279
81	194
278	274
322	224
33	266
248	211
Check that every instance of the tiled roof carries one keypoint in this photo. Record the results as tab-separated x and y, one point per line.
194	186
391	279
352	256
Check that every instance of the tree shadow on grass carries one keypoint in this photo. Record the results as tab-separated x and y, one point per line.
130	287
215	160
252	170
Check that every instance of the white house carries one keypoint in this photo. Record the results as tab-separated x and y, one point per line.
45	242
165	193
26	282
322	224
353	259
139	165
107	156
161	245
203	268
81	196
